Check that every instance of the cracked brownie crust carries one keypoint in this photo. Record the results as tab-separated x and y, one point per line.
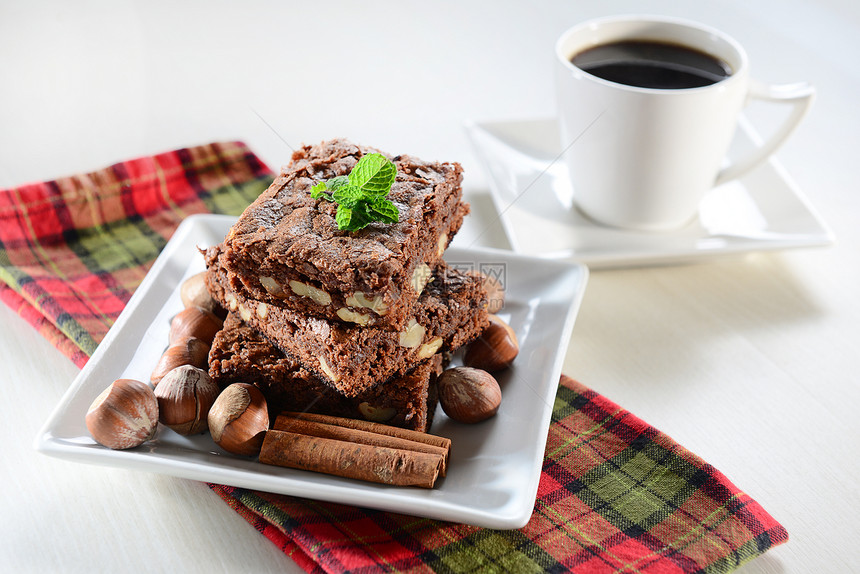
286	246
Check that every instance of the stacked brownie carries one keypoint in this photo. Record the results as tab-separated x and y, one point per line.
351	323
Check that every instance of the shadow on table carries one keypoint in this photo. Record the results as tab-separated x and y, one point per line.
683	318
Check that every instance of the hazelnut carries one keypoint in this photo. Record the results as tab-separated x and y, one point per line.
239	419
375	303
412	336
376	414
421	276
272	287
469	395
124	415
352	317
441	244
429	348
495	291
185	396
194	322
328	371
232	301
495	294
495	349
194	293
245	313
315	294
191	351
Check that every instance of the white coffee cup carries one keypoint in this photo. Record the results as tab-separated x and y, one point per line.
642	158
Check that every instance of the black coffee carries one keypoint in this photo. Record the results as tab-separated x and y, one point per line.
648	64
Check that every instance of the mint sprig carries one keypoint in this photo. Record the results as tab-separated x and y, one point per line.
361	195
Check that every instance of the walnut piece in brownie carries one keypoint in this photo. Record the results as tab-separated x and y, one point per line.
450	313
241	354
286	246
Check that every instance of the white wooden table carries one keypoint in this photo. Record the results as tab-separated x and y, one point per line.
750	361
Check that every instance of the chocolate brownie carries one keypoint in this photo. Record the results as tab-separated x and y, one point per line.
286	245
241	354
450	313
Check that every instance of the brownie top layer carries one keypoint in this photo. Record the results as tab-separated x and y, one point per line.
286	226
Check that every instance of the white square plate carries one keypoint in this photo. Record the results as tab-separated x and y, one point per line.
528	181
495	465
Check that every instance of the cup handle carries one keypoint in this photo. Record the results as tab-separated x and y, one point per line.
799	95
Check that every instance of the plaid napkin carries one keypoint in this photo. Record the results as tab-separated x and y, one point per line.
615	493
73	250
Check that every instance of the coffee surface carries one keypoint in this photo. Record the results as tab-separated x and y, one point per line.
657	65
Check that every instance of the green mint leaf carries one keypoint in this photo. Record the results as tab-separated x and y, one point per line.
343	218
352	219
361	195
361	217
348	195
385	210
337	182
318	191
374	173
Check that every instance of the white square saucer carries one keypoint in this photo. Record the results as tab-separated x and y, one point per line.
528	181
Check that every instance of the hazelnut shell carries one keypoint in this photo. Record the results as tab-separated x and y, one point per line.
239	419
495	349
124	415
194	322
191	351
194	293
185	396
469	395
495	291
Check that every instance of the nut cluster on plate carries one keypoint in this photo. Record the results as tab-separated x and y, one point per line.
471	393
183	397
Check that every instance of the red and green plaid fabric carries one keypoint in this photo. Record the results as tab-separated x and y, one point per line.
73	250
615	495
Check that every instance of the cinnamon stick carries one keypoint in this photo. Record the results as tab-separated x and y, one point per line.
377	428
351	460
336	431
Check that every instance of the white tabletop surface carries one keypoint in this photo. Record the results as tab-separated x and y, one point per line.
749	361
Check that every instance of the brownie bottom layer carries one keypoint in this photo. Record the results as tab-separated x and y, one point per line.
241	354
